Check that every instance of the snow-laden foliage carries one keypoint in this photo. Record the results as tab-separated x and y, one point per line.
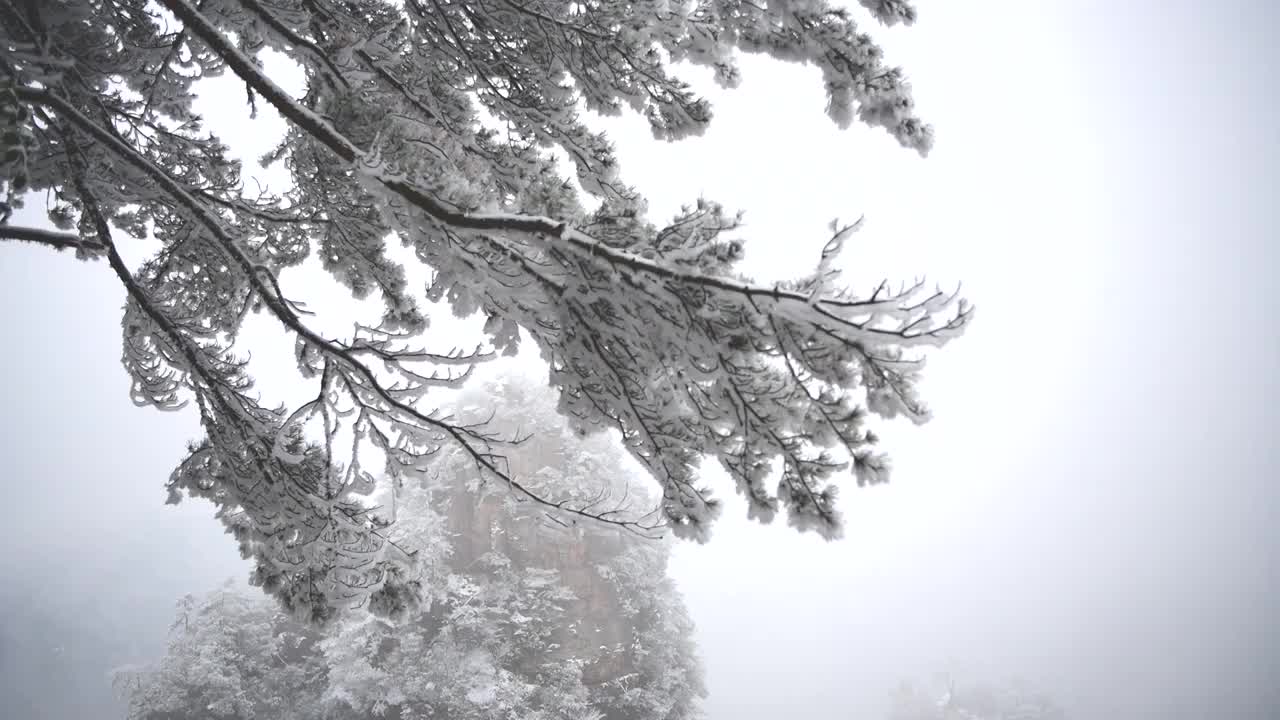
229	656
524	618
645	328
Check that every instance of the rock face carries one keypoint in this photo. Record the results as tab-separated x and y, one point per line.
623	633
600	631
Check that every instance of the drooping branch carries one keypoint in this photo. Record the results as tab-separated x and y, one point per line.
548	229
647	330
849	322
260	278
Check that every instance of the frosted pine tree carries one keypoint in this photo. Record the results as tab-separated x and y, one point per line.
644	326
229	656
522	617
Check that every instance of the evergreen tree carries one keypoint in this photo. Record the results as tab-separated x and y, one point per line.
521	616
646	328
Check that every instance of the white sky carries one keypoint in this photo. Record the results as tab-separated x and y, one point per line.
1093	506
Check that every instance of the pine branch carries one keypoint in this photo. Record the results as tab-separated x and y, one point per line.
51	238
547	229
283	312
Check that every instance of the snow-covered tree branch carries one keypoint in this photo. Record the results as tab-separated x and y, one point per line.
646	329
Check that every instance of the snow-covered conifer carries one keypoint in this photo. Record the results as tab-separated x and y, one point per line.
645	327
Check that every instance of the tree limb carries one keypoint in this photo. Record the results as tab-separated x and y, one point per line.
52	238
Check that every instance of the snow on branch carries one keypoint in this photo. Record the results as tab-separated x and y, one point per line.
646	329
51	238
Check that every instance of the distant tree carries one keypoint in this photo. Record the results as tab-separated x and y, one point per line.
972	701
645	328
520	617
229	656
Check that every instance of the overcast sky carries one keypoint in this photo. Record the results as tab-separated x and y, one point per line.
1094	505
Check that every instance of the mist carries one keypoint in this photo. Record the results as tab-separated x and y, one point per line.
1092	508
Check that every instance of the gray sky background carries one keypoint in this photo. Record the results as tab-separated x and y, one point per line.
1094	505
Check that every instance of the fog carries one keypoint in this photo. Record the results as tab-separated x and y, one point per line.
1093	507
